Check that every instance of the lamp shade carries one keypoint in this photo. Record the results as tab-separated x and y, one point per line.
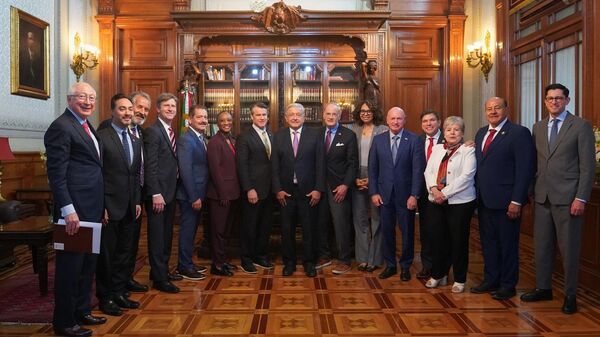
5	151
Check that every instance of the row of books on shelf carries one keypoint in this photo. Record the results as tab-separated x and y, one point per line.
254	95
218	95
343	95
216	74
306	94
313	114
213	112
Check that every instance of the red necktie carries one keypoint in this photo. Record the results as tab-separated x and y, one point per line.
86	127
429	148
488	140
172	139
230	142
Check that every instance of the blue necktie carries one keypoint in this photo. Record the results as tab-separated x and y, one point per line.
553	134
395	148
126	147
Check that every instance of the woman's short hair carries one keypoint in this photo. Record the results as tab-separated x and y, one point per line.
455	120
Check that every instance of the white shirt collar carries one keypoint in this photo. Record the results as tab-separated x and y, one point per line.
499	127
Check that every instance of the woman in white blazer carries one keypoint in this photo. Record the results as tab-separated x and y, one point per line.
450	180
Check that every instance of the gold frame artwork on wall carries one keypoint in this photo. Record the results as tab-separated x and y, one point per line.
30	55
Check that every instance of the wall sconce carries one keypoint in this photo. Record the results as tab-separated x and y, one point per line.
5	154
85	57
480	55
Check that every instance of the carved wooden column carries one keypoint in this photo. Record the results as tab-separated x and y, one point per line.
108	59
454	72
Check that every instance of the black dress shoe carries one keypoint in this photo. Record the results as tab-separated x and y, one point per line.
362	267
230	266
503	294
223	271
387	272
424	274
91	320
175	277
110	308
484	287
200	269
249	268
136	287
310	270
371	269
570	305
127	294
537	295
74	331
262	263
126	303
288	270
405	275
165	286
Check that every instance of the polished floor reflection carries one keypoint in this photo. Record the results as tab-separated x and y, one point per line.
353	304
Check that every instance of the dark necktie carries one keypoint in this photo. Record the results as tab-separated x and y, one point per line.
125	140
395	148
553	134
328	141
488	141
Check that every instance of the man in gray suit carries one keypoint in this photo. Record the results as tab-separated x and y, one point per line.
565	174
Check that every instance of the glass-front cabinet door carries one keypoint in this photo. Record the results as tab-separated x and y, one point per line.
343	88
307	89
255	86
218	93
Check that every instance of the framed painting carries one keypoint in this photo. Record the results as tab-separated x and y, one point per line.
30	55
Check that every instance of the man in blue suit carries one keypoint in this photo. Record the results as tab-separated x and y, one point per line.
396	165
193	175
75	176
505	165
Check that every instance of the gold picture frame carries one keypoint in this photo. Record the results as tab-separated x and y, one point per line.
30	55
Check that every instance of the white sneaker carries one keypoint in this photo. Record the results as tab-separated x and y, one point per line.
433	283
458	287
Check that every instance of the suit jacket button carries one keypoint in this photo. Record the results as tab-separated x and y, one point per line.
449	172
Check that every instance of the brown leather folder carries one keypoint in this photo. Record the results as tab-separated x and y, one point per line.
79	242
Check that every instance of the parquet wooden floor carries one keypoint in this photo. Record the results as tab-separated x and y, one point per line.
354	304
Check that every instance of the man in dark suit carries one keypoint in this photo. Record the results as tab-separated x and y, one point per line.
505	166
298	181
74	169
31	62
432	135
141	108
121	157
565	175
223	193
191	193
341	164
396	166
161	175
253	151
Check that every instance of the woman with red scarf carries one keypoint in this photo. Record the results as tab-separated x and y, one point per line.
450	180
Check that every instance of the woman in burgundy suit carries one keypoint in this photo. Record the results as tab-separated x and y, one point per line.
223	192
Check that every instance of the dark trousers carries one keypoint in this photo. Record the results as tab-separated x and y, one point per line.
160	240
72	287
393	212
340	215
112	272
450	226
424	232
255	229
499	237
187	234
298	210
135	241
221	222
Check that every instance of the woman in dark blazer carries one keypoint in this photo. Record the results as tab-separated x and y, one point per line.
368	240
223	192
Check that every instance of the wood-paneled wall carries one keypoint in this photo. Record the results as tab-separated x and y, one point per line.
25	171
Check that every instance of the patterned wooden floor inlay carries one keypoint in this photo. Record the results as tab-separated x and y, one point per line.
354	304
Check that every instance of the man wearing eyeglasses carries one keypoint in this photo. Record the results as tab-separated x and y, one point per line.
74	169
564	179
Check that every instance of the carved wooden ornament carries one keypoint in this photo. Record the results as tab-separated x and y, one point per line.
280	18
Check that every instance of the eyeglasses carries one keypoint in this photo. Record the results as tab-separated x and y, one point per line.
555	99
366	112
84	97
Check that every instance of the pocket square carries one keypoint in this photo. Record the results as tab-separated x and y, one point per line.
339	144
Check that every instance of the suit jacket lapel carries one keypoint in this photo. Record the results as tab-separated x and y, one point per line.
166	136
116	138
85	137
499	138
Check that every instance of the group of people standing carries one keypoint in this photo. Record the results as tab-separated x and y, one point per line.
370	175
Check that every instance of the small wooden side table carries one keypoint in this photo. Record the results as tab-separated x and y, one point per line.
35	231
